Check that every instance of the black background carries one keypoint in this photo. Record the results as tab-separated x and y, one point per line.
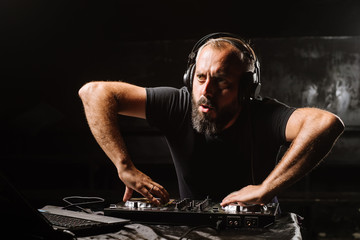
49	49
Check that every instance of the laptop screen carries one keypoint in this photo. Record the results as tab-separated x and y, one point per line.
17	215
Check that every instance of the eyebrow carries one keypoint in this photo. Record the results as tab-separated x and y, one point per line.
220	73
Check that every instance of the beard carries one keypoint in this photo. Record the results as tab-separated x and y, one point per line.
203	123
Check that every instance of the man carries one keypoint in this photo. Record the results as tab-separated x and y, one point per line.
222	136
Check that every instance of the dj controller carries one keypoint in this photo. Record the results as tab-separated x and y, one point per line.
195	212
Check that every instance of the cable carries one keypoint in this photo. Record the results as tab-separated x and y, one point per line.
90	200
69	234
217	229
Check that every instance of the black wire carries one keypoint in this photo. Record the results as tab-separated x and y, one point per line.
93	200
69	234
217	229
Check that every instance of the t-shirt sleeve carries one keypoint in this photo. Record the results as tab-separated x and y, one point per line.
273	118
166	107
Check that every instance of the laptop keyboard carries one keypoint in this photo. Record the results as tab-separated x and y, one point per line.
69	222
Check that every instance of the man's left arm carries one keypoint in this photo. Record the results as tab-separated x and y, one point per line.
313	132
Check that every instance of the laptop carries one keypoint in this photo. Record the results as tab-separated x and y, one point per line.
22	221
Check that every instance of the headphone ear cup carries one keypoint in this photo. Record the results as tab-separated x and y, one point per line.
189	76
249	87
186	78
254	86
256	91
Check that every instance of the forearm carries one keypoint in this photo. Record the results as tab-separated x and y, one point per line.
311	145
103	101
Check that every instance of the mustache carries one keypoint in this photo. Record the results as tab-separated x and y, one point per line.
205	101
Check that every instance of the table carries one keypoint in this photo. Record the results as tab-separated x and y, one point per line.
286	227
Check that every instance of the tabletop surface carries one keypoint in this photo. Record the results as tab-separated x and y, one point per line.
285	227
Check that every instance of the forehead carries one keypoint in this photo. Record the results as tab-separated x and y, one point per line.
227	57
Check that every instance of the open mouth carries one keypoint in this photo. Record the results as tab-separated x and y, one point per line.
205	105
206	108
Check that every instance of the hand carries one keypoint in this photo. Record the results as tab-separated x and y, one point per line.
251	194
143	184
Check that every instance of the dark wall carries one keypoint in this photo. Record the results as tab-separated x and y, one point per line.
49	49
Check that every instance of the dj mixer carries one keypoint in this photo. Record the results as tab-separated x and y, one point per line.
195	212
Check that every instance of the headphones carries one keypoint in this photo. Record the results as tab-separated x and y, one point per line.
249	80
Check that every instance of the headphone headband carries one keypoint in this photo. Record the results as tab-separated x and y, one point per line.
203	40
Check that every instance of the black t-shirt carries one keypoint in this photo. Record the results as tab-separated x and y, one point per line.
215	166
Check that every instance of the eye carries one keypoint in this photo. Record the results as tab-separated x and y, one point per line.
201	78
222	83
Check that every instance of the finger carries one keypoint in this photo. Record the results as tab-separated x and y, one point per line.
128	193
146	193
225	202
161	192
231	200
158	190
228	199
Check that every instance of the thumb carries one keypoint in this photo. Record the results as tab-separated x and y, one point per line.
127	194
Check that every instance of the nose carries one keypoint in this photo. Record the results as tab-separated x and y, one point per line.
208	89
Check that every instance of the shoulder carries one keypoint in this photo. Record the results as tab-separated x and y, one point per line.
166	92
268	105
271	116
167	96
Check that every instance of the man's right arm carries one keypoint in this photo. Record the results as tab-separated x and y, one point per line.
103	101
